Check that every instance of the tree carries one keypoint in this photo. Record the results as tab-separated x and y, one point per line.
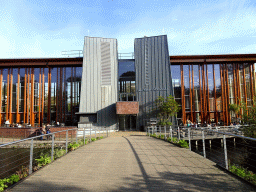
165	109
248	117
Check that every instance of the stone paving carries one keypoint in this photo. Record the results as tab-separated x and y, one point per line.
131	163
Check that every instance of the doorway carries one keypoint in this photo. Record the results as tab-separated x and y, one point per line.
127	122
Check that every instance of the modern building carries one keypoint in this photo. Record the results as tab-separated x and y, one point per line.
107	89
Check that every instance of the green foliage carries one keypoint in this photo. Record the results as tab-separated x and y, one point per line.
165	109
161	137
45	159
93	139
97	138
101	137
8	181
172	140
73	146
183	143
234	107
243	172
249	118
153	135
3	184
80	142
59	152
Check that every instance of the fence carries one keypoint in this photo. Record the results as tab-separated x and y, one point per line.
14	133
224	145
21	155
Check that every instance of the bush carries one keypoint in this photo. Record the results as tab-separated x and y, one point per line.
183	143
93	139
73	146
23	172
58	153
243	172
8	181
43	160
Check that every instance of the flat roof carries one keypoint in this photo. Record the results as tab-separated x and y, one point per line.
41	61
223	58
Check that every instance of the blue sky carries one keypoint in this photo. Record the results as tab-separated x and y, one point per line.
44	28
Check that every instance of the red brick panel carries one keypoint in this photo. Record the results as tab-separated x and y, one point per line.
31	132
127	107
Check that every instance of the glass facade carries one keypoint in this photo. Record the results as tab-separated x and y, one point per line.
204	91
40	95
126	83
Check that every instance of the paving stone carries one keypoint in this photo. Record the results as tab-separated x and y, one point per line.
131	163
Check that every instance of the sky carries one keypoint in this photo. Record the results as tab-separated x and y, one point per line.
45	28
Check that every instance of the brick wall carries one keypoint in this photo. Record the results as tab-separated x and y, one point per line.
31	132
127	107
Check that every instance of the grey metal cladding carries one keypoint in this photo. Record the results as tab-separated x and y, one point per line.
99	81
153	75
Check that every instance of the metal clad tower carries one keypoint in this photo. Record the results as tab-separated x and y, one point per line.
99	83
153	74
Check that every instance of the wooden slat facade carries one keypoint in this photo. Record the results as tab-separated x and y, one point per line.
240	67
30	89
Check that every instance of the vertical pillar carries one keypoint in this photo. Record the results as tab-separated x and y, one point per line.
203	139
225	152
215	97
1	80
49	96
32	116
189	139
17	98
52	146
31	158
8	94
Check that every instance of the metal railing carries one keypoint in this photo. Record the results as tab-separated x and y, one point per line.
126	55
127	97
17	155
72	53
224	145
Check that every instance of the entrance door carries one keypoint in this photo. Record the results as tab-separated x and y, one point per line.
127	122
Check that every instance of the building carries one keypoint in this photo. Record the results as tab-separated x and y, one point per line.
107	89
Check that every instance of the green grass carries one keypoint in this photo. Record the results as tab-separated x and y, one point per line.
244	173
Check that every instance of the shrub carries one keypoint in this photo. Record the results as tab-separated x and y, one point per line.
43	160
93	139
73	146
243	172
183	143
8	181
59	152
23	172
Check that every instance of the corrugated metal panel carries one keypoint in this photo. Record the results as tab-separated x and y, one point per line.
152	67
99	80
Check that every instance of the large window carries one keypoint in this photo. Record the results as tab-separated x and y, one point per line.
205	91
126	82
40	95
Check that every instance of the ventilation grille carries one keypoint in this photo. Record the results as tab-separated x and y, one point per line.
105	64
146	62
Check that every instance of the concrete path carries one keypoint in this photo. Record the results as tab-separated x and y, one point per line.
132	163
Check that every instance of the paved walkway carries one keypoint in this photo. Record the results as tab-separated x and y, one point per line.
132	163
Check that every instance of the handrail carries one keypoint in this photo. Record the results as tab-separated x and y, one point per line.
226	153
63	139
